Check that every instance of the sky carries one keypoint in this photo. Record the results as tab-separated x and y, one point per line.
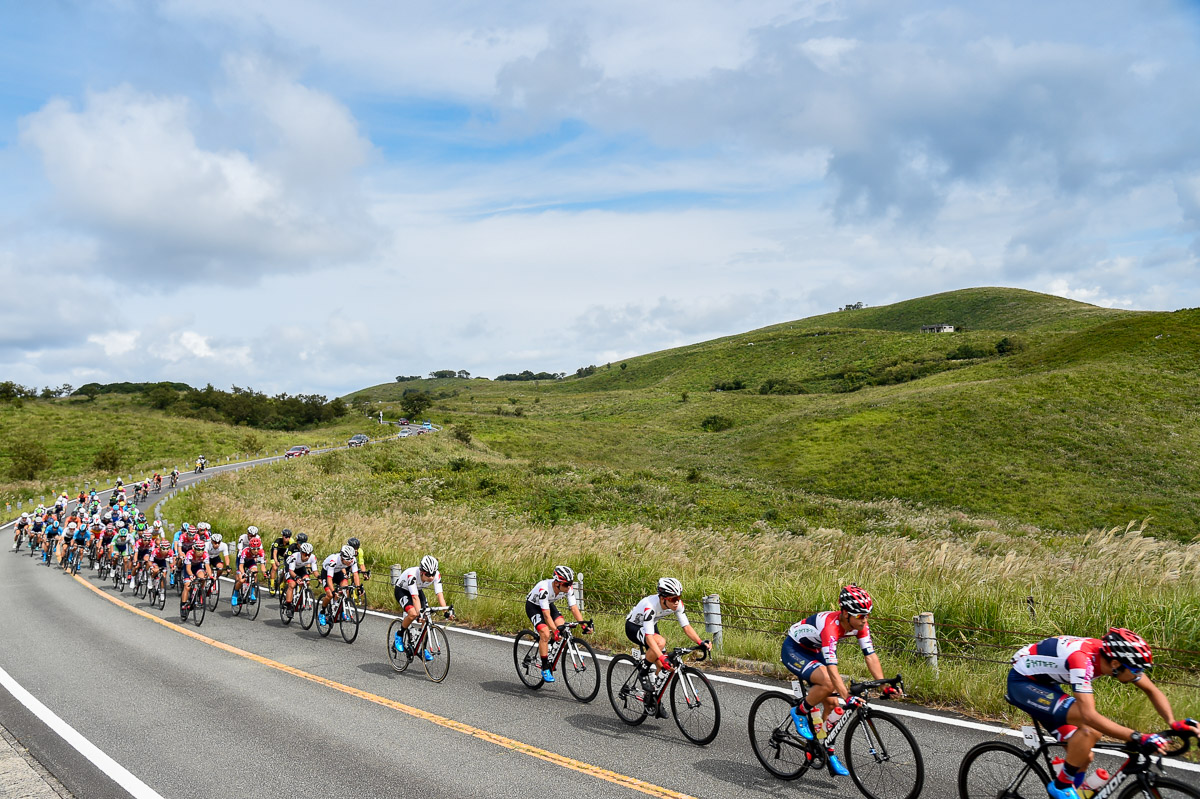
315	197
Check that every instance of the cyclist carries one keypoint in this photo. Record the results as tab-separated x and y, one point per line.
120	547
299	565
175	477
359	557
409	591
50	534
144	549
194	563
279	554
161	555
641	627
334	572
810	652
1035	685
157	482
80	539
247	561
540	608
218	555
21	528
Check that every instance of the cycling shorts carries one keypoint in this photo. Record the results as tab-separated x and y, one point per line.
160	562
214	561
1046	702
534	612
80	542
800	661
301	572
636	633
52	533
339	578
406	600
142	554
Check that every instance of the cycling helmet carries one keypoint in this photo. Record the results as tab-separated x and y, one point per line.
348	553
429	564
252	530
158	524
191	528
564	574
302	538
120	524
141	517
255	542
669	586
306	549
216	538
354	542
25	515
854	600
71	525
147	536
204	526
285	533
1129	648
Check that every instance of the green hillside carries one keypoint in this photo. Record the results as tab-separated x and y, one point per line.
1089	421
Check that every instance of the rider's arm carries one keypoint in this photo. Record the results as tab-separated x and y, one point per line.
1156	697
1086	703
874	666
691	633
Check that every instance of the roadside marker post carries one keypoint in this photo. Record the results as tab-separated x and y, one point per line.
712	619
471	585
926	634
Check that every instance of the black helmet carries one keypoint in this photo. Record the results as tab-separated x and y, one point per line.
302	538
354	542
286	533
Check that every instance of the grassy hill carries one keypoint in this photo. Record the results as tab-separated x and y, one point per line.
1089	422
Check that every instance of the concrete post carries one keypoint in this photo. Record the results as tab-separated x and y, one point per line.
579	589
471	585
712	618
926	633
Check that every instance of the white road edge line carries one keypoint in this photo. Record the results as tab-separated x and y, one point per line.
115	771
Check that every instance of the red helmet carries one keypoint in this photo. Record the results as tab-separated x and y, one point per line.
1127	647
255	542
855	600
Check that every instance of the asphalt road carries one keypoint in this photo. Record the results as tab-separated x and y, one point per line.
191	719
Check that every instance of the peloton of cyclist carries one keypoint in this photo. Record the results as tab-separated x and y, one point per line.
541	610
1035	685
810	652
247	561
641	627
299	565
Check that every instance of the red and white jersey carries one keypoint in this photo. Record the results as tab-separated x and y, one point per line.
162	549
647	612
410	581
821	632
1065	659
196	557
251	556
543	594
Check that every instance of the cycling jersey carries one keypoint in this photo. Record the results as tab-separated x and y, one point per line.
221	550
334	565
144	545
543	594
1062	660
411	582
820	633
297	562
647	612
249	557
280	549
162	549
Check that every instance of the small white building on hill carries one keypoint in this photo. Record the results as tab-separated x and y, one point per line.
937	328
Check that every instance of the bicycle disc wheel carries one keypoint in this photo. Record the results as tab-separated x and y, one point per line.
695	706
773	736
625	691
326	627
348	623
398	659
883	757
1161	788
214	594
998	768
308	608
580	670
438	645
527	659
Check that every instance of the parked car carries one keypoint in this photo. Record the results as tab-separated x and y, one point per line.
296	451
357	441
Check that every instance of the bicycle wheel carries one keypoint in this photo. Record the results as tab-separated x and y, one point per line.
998	768
348	621
1160	788
240	595
883	757
580	670
198	608
437	645
398	659
773	736
253	601
325	627
308	607
694	703
143	585
360	607
162	592
214	594
625	691
527	659
285	610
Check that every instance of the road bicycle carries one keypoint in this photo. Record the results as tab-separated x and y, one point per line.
214	592
341	609
20	539
880	753
359	593
570	656
141	580
119	574
1003	769
302	603
692	699
174	480
425	637
247	597
157	590
193	608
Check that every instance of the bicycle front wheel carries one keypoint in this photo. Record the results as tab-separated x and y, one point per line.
348	622
252	600
308	607
1160	788
360	607
325	617
238	594
398	659
695	706
198	607
883	757
161	596
998	768
580	670
625	691
214	594
527	659
773	736
437	645
285	609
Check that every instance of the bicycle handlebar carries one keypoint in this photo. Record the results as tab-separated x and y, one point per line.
860	688
680	651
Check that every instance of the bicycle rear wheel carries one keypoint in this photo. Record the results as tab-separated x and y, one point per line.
527	659
325	627
773	736
437	645
998	768
348	622
1161	788
883	758
308	607
695	706
625	691
580	670
398	659
285	610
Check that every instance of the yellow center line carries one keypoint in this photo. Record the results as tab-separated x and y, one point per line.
641	786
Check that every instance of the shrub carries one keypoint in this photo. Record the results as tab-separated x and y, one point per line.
108	458
459	464
1010	345
462	432
330	463
252	442
967	351
716	423
694	475
736	384
29	459
781	385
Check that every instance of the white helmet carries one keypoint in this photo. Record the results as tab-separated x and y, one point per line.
25	515
348	553
669	586
71	525
252	531
158	524
204	526
429	564
306	548
216	538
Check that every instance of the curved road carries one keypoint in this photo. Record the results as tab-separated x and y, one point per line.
239	705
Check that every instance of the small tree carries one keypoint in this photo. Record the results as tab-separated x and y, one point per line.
29	459
252	442
91	391
415	404
462	432
108	457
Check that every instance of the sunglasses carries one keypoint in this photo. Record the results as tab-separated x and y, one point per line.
1121	667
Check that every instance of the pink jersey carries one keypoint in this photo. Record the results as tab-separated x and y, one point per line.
1065	659
821	632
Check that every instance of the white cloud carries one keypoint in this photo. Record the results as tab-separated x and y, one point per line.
115	343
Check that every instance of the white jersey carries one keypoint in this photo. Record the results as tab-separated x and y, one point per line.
651	609
219	551
334	564
543	594
298	560
410	581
